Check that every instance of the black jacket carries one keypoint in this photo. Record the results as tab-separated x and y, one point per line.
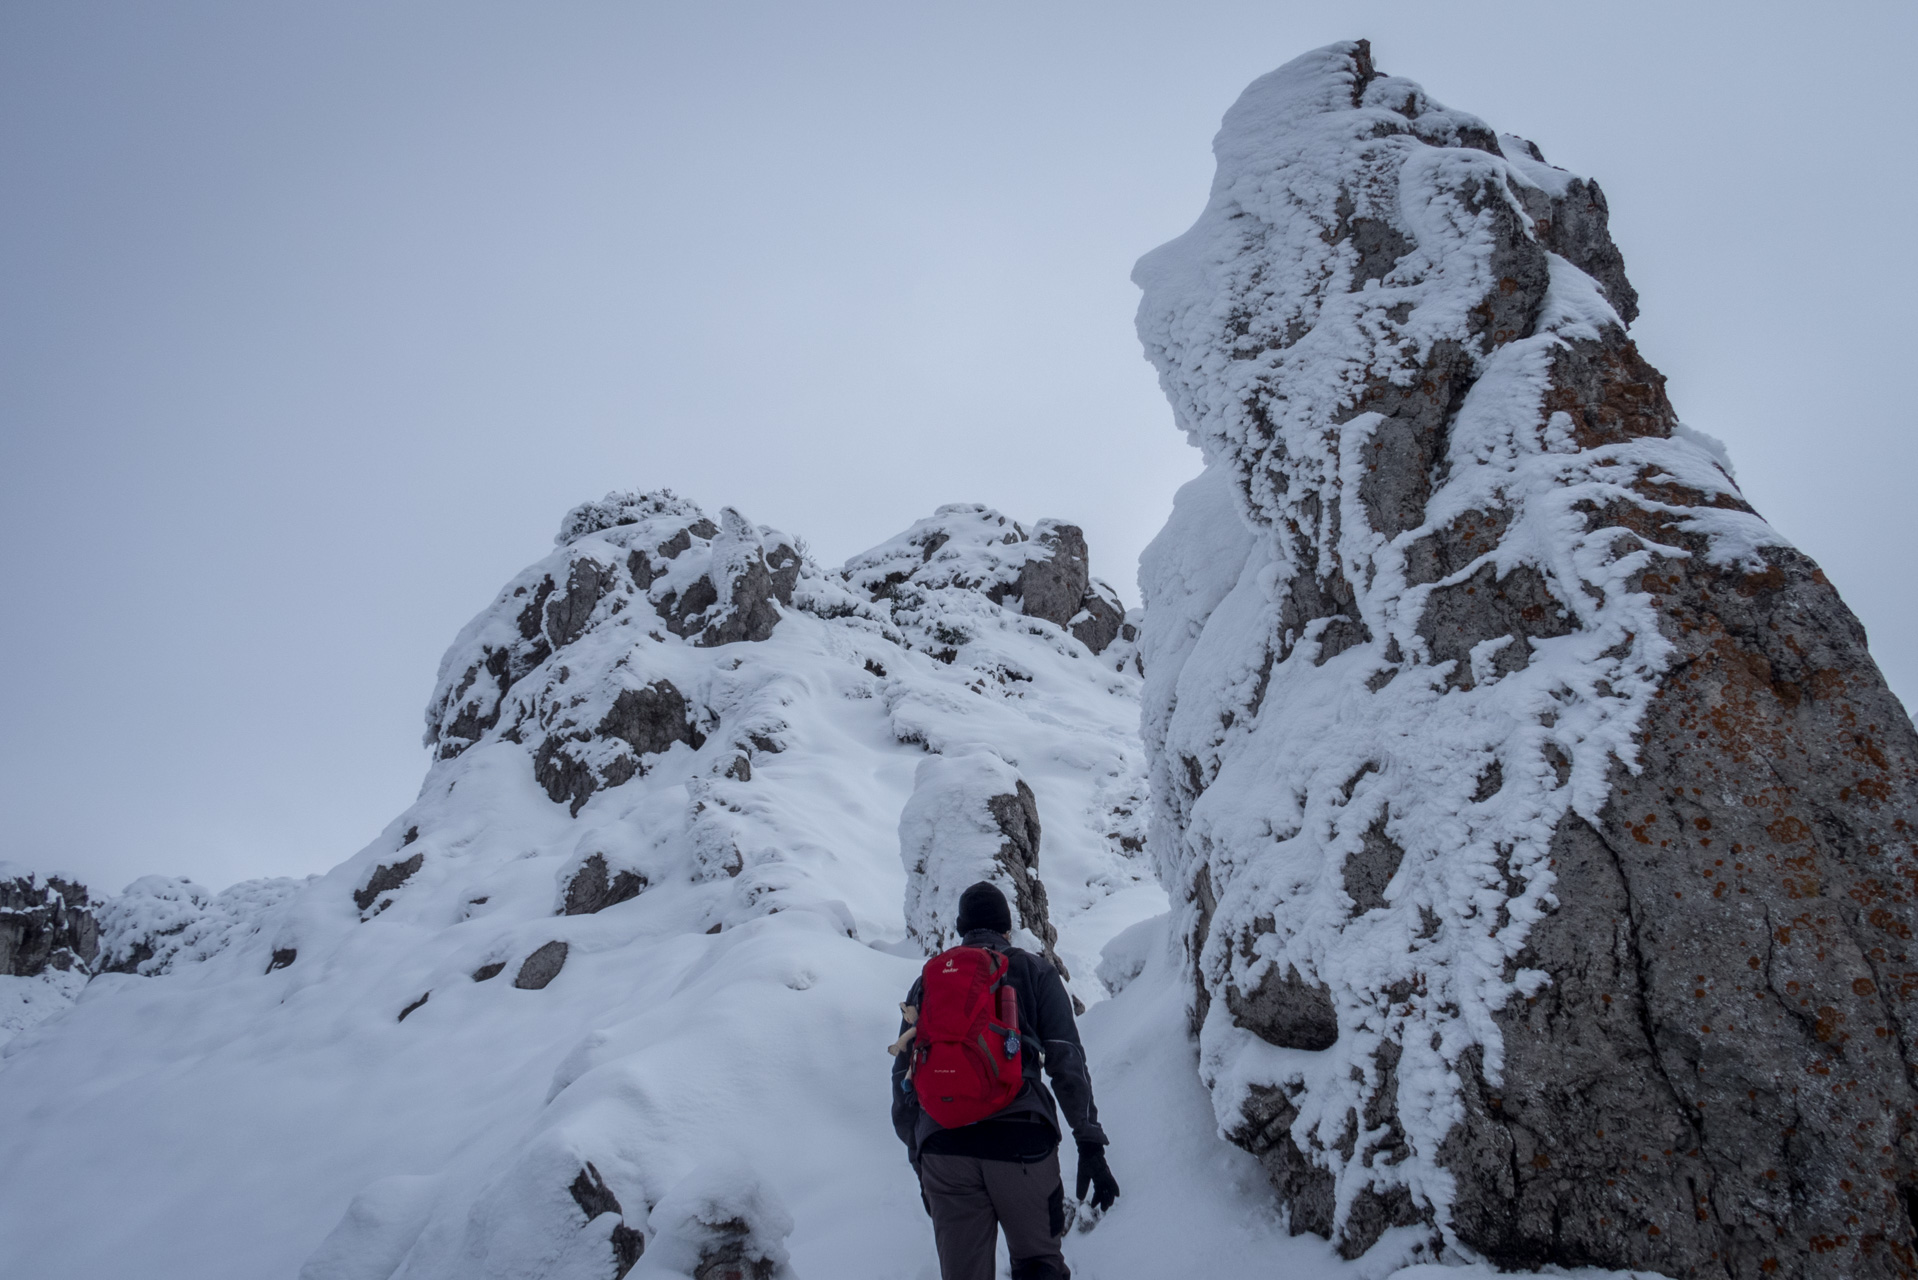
1047	1033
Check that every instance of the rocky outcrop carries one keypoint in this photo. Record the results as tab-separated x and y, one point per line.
630	567
638	575
1518	781
1051	586
721	1223
592	888
45	924
1100	620
705	583
648	720
385	878
971	547
972	818
1731	960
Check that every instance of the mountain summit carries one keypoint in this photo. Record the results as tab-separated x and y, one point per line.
610	989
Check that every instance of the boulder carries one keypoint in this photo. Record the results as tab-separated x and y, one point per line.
540	968
1051	586
1101	617
971	818
1514	776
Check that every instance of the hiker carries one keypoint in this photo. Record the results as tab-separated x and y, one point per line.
1001	1167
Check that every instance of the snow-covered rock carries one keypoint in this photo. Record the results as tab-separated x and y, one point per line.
44	924
612	996
720	1223
656	554
49	943
969	548
159	921
972	818
1540	823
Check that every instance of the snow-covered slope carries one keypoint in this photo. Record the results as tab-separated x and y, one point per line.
635	952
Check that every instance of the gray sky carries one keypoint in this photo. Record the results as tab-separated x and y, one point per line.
314	319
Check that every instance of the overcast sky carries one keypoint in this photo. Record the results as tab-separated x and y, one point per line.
315	318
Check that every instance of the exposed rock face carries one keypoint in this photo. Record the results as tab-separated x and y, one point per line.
1100	620
385	877
973	547
649	720
592	889
594	1198
1518	780
972	818
1731	960
1052	587
45	924
651	561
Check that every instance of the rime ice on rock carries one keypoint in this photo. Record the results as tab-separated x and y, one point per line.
49	943
972	818
970	548
1543	827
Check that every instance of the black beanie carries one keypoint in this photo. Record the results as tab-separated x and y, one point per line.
984	907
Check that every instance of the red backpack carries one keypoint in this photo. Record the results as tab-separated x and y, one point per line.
965	1053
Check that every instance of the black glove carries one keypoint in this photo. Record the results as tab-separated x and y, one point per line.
1096	1174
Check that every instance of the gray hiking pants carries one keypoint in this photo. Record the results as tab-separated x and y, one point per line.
969	1197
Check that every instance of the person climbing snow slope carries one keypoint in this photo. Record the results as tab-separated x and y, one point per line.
980	1127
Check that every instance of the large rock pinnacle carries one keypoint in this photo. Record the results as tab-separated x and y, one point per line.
1544	828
